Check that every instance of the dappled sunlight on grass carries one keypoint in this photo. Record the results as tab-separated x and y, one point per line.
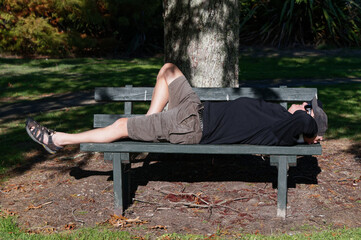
32	78
342	105
252	68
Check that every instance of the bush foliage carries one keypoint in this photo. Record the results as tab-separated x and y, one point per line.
78	26
62	27
301	22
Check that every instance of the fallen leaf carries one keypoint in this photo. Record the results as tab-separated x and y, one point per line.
332	191
159	227
9	212
70	226
47	230
177	198
314	196
18	187
121	221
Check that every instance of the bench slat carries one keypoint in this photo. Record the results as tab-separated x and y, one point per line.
134	146
209	94
103	120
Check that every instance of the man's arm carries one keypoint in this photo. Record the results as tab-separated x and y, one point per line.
288	131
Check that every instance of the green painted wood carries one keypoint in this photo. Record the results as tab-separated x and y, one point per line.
134	146
283	104
103	120
118	184
291	161
126	170
121	182
140	94
128	106
282	165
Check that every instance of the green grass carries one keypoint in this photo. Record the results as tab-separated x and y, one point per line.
33	78
321	67
342	105
9	230
21	78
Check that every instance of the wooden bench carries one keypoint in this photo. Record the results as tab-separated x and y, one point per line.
119	152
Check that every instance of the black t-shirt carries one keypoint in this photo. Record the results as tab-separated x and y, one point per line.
254	121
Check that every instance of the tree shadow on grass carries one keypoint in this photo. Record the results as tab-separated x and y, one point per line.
39	77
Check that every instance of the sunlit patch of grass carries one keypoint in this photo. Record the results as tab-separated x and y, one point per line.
320	67
342	105
33	78
10	230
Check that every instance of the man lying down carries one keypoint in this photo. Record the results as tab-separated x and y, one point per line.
188	121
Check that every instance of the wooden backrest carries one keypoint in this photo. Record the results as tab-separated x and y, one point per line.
131	94
144	94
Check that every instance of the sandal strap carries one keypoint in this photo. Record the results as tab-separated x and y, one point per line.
38	131
51	144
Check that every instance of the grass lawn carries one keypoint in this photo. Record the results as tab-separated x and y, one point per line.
9	230
252	68
32	79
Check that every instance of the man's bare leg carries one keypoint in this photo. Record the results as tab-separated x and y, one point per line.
118	130
167	74
111	133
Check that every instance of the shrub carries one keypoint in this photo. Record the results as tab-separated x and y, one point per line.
29	27
77	26
301	22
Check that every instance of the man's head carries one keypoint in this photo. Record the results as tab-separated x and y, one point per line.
314	108
319	115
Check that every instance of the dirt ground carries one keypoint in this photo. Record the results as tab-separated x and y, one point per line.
205	195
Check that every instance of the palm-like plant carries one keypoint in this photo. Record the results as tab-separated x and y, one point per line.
301	22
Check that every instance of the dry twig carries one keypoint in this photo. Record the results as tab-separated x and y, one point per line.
39	206
76	220
195	205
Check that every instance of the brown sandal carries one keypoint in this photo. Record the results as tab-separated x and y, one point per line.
37	132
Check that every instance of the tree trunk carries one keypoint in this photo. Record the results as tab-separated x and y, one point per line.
202	39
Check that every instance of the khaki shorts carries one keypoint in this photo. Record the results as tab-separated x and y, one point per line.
180	124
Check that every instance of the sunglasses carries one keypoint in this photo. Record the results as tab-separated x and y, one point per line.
308	108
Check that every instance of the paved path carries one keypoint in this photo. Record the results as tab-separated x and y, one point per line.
60	101
55	102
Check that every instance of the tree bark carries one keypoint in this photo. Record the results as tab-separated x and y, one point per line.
202	39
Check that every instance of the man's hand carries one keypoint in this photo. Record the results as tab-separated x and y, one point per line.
313	140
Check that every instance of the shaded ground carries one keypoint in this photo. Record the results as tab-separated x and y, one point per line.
204	196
